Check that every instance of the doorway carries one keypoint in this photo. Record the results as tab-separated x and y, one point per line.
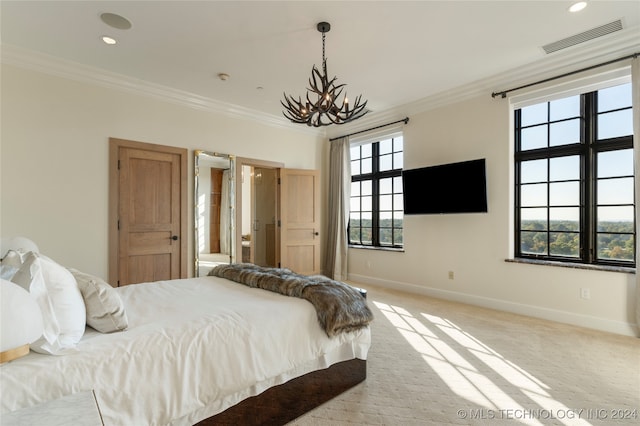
257	211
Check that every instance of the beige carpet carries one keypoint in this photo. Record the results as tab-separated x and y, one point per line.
434	362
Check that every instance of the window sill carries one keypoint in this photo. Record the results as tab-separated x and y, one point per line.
605	268
394	249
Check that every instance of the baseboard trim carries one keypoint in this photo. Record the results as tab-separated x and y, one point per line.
588	321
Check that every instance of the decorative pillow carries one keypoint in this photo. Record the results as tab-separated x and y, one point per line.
105	310
10	264
56	291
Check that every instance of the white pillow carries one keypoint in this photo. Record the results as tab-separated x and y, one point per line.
105	310
56	291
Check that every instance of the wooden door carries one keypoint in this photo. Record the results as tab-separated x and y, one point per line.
148	206
300	221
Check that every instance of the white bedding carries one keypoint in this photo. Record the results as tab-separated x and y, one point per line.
194	347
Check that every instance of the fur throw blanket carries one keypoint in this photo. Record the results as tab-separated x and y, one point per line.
339	307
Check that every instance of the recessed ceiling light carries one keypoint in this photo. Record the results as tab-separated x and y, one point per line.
109	40
223	76
115	21
577	7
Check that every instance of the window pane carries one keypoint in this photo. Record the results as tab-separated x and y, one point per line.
615	191
367	206
355	152
565	132
614	97
615	124
354	235
354	218
386	202
615	219
533	171
398	160
397	184
386	162
366	166
534	114
565	108
534	137
564	244
355	168
564	168
385	219
386	186
564	218
533	219
533	195
615	163
398	217
533	242
355	204
397	237
366	236
398	202
386	146
564	194
367	150
366	187
616	247
386	237
355	189
398	144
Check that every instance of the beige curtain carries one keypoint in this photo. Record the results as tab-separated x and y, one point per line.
337	246
635	84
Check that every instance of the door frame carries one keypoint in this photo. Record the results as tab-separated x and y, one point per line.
252	162
114	201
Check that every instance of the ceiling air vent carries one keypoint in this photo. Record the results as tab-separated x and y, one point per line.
582	37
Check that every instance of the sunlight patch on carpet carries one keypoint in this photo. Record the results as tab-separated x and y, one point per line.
452	352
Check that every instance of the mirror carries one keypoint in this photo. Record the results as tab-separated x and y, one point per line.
214	208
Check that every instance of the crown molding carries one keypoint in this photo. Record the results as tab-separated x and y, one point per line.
610	47
51	65
613	46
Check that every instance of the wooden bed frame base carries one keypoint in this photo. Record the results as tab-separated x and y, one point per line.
283	403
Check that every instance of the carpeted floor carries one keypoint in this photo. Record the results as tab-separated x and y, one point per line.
434	362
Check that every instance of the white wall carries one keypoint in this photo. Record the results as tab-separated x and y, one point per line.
54	156
475	246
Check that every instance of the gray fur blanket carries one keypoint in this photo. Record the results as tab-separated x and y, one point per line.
339	307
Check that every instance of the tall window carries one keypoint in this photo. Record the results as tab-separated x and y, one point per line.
575	179
376	194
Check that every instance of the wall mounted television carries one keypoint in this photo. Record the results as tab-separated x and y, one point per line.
446	188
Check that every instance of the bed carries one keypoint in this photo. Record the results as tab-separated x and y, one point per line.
206	350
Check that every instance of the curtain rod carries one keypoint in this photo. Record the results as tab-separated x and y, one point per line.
503	93
405	120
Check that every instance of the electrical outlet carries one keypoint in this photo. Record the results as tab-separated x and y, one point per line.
585	293
450	275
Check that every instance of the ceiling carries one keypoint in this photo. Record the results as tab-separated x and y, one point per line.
394	53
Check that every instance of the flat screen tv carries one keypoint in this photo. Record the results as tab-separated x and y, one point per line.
446	188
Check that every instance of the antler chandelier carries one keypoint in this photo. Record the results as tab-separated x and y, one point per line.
327	108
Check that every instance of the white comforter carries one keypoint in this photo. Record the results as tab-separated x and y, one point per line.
194	347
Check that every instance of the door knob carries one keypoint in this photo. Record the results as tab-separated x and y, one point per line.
174	238
316	233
